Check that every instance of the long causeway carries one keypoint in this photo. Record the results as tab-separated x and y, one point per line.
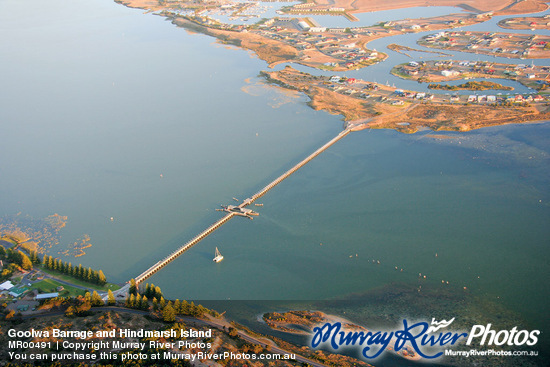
171	257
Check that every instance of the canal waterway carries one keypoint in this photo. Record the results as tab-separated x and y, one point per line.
106	112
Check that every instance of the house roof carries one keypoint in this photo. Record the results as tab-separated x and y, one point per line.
6	285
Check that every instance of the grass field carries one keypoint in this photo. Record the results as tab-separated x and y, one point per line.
79	282
50	286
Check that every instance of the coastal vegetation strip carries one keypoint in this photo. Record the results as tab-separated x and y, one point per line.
401	49
471	85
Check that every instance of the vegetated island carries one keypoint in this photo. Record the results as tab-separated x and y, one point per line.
526	23
370	105
401	49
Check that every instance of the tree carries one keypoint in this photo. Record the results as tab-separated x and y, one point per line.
144	303
185	308
25	262
130	301
177	306
133	287
110	298
168	313
158	292
101	279
33	256
137	303
14	257
70	311
97	300
61	266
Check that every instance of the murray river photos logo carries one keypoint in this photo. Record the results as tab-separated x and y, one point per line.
427	340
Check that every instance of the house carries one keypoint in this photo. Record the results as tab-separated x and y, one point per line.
538	98
7	285
472	98
46	296
414	64
335	79
449	73
351	81
491	99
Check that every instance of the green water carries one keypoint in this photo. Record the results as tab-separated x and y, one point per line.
98	101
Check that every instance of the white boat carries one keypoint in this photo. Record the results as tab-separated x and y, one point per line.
218	257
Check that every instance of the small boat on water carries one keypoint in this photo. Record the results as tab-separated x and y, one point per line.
218	256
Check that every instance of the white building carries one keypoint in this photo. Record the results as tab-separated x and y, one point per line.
46	296
448	73
6	286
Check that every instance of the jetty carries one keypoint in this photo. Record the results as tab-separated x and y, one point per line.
232	211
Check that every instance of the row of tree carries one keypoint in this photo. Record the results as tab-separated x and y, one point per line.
150	290
79	272
168	309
